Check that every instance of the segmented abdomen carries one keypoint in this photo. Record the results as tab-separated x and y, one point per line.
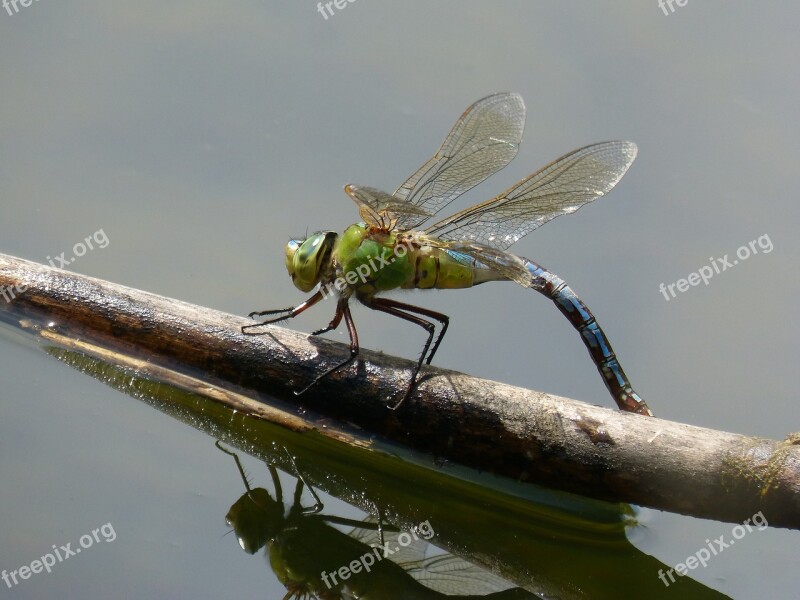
555	288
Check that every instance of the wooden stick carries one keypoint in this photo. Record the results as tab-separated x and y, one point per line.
486	425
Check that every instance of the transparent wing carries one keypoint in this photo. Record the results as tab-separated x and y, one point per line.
443	573
448	574
380	209
484	140
560	188
410	554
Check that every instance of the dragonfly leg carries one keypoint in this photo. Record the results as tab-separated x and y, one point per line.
298	490
342	310
286	313
239	466
276	483
402	310
444	320
337	318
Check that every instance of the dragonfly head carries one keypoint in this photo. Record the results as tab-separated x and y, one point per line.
305	259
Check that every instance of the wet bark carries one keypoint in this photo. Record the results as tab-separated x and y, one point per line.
486	425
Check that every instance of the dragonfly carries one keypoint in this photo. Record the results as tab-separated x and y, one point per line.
392	248
307	553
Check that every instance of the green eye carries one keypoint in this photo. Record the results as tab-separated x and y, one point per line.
291	249
305	259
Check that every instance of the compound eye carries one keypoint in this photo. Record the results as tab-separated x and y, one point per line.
292	246
306	261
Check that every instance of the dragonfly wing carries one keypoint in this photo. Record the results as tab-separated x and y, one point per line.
560	188
379	209
448	574
484	140
443	573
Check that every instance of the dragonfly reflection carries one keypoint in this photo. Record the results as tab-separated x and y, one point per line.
306	552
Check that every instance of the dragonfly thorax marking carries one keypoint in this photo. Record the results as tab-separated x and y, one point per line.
370	260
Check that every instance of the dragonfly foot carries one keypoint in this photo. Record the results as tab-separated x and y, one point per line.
246	327
396	405
288	315
409	391
323	330
302	391
262	313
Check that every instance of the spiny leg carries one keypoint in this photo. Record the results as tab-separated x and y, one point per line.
342	310
287	313
445	321
276	483
239	466
442	318
318	506
337	318
402	310
298	490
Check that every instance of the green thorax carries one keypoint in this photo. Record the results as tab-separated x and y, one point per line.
373	261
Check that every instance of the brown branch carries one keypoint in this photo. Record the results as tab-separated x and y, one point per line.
489	426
